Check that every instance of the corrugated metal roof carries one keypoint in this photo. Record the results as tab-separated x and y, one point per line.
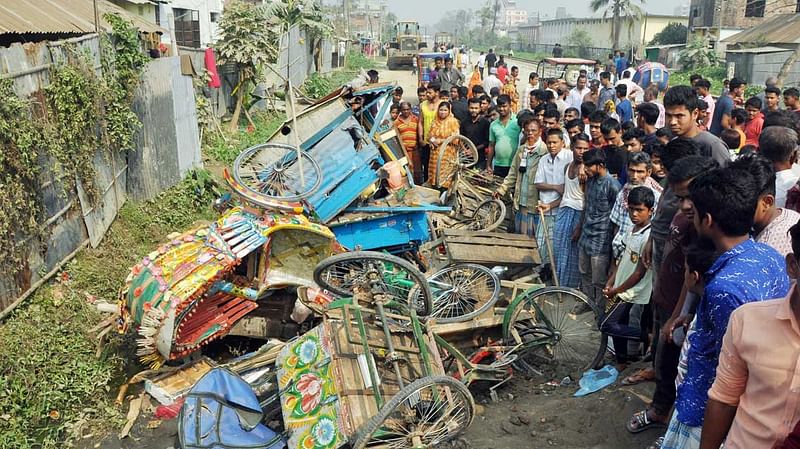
63	16
779	29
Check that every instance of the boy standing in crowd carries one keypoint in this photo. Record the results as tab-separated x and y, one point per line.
629	282
594	246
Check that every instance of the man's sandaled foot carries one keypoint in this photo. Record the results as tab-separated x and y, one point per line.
643	375
641	421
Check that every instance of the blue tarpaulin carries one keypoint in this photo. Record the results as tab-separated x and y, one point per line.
222	411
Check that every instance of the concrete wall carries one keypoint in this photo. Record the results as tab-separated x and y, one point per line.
733	13
631	34
755	68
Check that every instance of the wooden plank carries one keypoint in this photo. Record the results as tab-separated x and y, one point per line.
501	235
479	323
488	240
480	255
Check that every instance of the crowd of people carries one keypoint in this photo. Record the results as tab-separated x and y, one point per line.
675	212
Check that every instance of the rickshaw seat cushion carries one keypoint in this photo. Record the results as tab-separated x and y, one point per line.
222	410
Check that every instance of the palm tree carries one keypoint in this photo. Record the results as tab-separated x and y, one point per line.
618	9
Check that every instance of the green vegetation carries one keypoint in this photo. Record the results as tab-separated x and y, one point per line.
355	60
53	386
225	149
673	33
714	74
318	86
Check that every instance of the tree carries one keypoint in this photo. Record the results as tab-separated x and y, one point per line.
618	9
697	55
580	39
246	41
673	33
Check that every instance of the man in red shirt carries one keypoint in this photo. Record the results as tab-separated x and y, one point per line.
502	72
755	121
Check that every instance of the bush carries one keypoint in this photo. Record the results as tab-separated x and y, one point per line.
357	61
697	55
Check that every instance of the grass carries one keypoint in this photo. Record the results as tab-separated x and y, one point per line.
224	150
53	387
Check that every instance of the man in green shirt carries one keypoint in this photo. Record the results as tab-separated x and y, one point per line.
503	139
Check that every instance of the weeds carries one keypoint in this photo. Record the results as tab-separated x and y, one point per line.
52	386
220	150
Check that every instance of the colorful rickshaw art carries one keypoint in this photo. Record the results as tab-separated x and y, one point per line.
196	286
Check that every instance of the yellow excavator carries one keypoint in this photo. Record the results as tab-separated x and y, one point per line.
405	45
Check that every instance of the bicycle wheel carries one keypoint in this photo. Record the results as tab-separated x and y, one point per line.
462	292
542	323
488	216
273	171
463	154
424	414
364	274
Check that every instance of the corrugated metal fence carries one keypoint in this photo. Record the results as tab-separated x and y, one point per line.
167	146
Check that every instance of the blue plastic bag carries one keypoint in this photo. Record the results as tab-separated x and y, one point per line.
596	379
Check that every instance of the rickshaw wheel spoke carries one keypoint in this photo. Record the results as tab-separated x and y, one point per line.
432	410
564	337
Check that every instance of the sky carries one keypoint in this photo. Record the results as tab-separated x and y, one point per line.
412	9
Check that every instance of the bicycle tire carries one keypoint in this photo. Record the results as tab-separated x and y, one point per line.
275	166
576	339
473	298
467	156
418	296
411	392
501	216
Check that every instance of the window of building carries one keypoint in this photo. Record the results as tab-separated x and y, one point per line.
797	8
696	12
214	17
187	27
754	8
158	14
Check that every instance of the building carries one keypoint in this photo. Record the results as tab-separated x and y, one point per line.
682	10
719	19
194	23
528	33
760	52
635	33
514	17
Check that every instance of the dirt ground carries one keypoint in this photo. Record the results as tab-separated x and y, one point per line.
529	414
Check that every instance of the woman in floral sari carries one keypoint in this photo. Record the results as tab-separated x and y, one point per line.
444	126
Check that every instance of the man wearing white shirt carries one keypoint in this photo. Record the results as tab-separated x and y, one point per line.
549	181
481	63
576	94
492	81
779	145
635	92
